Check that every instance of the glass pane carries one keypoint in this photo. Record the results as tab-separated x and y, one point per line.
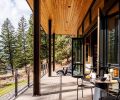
113	40
77	60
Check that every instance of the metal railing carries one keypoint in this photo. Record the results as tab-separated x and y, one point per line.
44	69
13	85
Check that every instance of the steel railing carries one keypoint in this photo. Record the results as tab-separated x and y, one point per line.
13	85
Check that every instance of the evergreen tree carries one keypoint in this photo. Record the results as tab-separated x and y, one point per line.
21	43
30	47
8	42
62	47
43	45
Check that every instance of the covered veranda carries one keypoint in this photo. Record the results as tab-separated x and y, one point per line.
56	17
84	19
53	89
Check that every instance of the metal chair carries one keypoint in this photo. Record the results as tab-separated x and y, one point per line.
82	85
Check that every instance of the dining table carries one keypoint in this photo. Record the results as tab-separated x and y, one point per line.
100	86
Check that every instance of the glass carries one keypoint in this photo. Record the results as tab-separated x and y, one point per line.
116	72
87	52
77	57
113	39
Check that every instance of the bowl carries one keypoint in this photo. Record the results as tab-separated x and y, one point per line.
103	78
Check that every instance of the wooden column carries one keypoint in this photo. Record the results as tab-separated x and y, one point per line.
53	51
36	72
49	32
98	41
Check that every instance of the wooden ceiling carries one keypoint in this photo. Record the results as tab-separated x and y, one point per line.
66	15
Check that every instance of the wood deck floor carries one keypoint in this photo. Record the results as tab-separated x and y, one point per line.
51	90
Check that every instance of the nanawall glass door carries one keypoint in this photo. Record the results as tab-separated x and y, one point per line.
77	57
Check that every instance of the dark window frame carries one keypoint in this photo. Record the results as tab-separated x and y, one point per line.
107	17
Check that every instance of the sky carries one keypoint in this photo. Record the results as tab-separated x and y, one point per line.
14	9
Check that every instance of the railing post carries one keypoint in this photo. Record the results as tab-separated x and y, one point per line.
43	69
28	70
16	82
46	68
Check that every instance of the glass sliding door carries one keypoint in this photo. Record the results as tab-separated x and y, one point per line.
112	36
101	43
113	44
77	57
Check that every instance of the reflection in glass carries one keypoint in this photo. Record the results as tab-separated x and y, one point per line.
77	59
113	40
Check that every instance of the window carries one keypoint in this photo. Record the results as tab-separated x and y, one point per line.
113	39
87	52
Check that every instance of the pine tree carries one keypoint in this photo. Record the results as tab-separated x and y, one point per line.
8	42
30	47
21	43
43	45
62	47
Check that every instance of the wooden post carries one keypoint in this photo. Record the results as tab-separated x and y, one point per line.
98	41
53	51
49	32
37	70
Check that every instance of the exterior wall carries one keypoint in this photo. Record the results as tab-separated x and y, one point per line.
107	8
91	16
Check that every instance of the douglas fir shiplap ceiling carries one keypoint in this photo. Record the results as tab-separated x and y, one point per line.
66	15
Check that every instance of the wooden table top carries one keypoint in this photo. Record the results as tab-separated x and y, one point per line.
106	81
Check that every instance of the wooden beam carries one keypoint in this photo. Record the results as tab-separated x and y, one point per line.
37	70
49	32
53	51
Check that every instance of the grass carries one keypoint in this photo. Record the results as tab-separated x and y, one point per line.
11	87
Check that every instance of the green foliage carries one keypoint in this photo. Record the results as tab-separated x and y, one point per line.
43	45
16	48
62	47
21	43
8	43
29	50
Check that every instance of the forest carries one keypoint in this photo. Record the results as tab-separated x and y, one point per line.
16	45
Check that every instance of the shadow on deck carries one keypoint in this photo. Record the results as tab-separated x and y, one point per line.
51	89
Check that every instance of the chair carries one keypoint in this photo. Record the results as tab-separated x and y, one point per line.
82	85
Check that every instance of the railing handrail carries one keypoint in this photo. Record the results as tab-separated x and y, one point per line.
44	71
